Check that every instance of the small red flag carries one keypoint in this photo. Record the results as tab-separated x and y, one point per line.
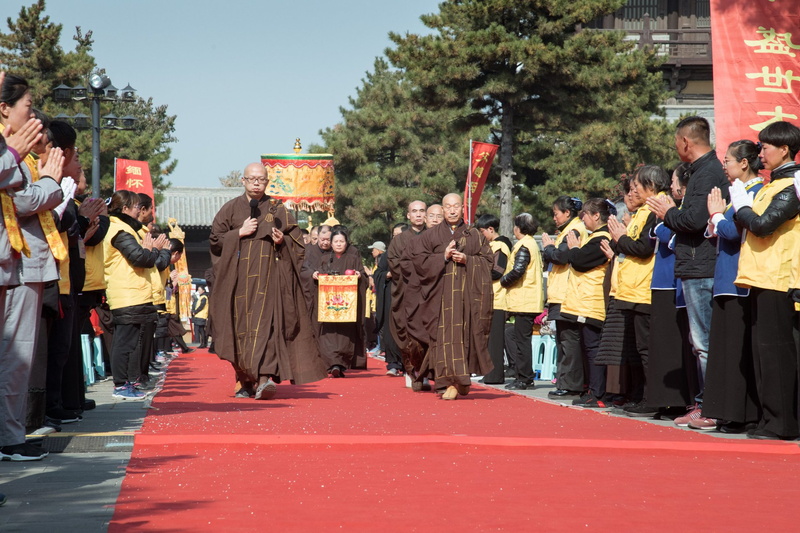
481	158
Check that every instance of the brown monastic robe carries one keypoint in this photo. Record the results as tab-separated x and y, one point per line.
260	314
343	343
456	304
405	329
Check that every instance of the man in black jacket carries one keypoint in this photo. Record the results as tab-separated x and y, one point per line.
695	256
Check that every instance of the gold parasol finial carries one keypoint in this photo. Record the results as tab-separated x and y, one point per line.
297	146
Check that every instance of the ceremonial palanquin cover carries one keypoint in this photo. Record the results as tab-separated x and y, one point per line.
338	298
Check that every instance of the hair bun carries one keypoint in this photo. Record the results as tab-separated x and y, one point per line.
577	203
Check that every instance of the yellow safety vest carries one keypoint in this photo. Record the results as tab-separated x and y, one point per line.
499	290
558	277
585	296
126	285
526	295
766	262
635	273
203	313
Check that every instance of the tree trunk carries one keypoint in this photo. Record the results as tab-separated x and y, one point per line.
506	172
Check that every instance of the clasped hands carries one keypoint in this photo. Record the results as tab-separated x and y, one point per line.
451	253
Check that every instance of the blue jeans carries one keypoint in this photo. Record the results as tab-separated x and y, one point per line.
699	294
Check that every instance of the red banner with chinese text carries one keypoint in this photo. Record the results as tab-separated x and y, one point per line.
481	158
133	176
756	46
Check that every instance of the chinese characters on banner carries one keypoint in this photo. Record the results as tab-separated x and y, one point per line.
481	157
756	48
133	176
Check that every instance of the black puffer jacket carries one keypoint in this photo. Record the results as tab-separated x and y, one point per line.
784	206
696	256
521	262
133	252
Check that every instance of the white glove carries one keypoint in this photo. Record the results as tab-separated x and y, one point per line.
797	183
739	196
68	187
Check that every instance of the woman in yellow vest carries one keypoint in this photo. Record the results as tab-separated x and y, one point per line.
200	315
585	303
524	298
128	260
489	225
569	376
765	266
636	246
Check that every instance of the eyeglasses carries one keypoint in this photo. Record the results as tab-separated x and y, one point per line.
256	180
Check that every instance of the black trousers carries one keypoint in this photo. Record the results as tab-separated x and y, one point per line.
775	360
59	341
730	393
126	351
569	375
390	349
641	328
519	346
147	353
497	348
596	374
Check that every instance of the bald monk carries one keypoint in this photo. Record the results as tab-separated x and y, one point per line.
260	314
453	264
404	299
434	216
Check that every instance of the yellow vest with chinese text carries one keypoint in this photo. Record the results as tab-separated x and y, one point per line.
558	277
202	313
636	273
585	296
126	285
526	295
499	290
766	262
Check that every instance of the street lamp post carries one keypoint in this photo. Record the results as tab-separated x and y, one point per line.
100	89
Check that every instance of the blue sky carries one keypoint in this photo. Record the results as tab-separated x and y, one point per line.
243	77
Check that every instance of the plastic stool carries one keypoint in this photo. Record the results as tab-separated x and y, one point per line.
544	356
88	367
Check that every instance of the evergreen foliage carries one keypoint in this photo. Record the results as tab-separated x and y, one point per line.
31	49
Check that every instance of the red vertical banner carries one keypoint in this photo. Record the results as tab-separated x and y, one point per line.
133	176
481	158
756	46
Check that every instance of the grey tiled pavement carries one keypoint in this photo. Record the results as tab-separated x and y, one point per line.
75	491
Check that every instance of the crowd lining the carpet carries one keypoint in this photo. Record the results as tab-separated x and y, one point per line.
681	293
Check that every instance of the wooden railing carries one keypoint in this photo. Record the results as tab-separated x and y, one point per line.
680	46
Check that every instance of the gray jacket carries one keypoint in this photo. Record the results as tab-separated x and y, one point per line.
32	199
10	177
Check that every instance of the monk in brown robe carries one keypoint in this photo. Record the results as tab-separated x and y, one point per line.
342	344
453	263
260	314
405	291
311	264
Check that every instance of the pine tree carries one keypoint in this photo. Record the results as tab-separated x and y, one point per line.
390	151
31	49
570	107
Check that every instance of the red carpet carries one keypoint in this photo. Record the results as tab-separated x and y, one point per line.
366	454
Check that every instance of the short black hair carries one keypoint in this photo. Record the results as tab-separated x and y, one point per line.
696	128
145	201
488	221
568	203
62	134
304	231
402	225
526	223
782	134
175	245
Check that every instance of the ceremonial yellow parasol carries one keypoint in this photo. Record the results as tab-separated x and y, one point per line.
302	181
